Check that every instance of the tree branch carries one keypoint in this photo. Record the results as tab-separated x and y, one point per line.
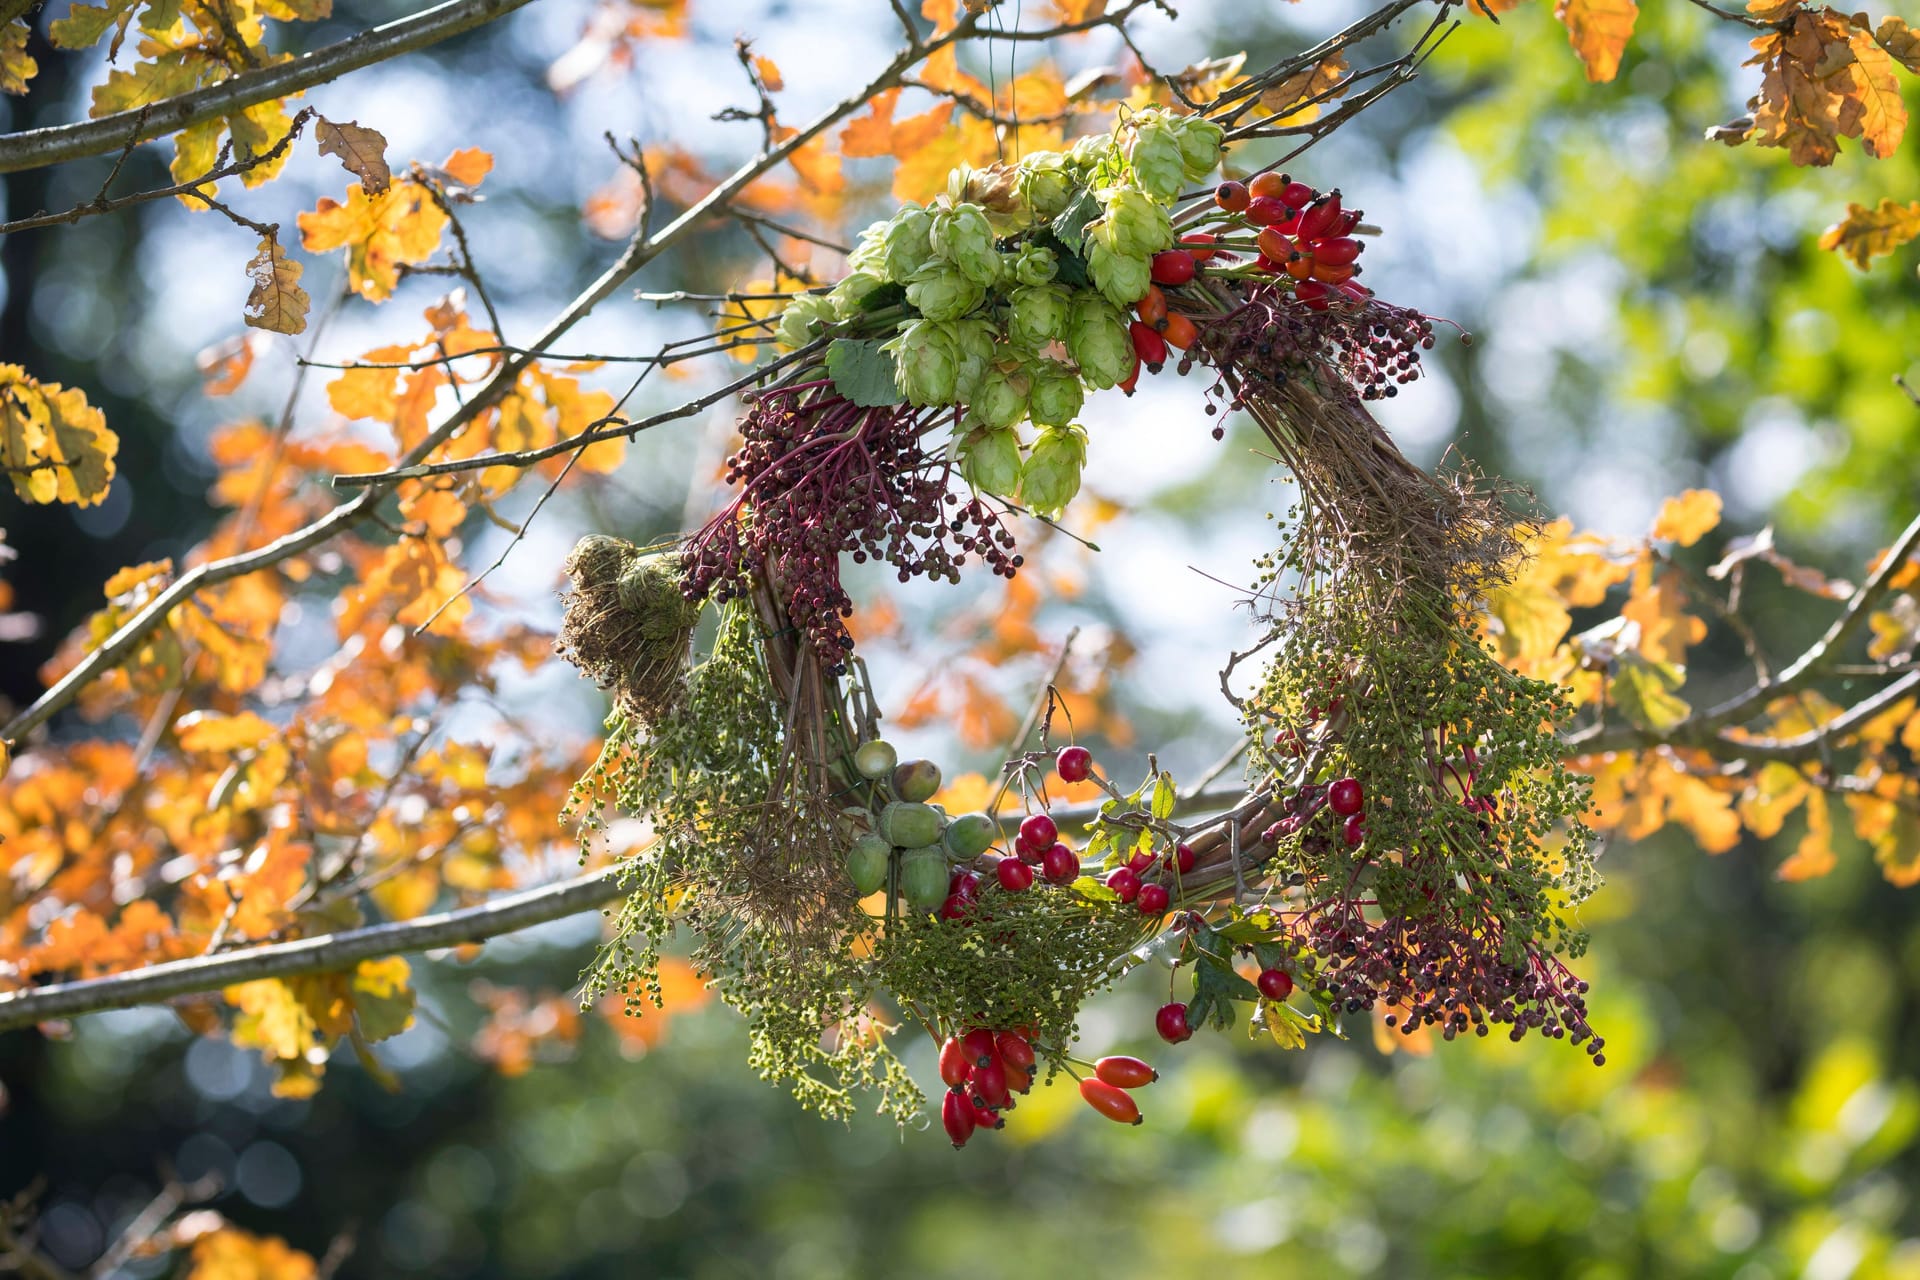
334	951
55	144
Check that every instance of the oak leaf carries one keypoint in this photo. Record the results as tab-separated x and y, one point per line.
1813	856
232	1254
277	303
54	446
1687	518
871	134
362	152
16	65
1317	80
1900	41
1865	234
1599	31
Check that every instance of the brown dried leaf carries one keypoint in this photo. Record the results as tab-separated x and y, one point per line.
362	152
1283	99
1771	10
277	304
1866	234
1900	41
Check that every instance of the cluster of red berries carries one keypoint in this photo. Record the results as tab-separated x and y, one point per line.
1039	854
1139	879
983	1070
1346	798
1171	1019
1155	329
1303	234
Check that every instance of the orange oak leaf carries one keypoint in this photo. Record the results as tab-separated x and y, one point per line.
1599	30
1687	518
1865	234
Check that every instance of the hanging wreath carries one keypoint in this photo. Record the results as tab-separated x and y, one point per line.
1408	839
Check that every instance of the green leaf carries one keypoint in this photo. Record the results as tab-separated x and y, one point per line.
879	298
1643	690
1164	797
1071	226
862	372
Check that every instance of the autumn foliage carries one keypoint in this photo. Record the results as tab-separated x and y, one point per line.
191	786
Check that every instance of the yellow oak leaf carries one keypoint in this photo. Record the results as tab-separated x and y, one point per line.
277	303
1775	792
1599	31
1658	606
379	233
1865	234
54	446
16	65
1882	117
1771	10
769	72
1687	518
215	733
1813	856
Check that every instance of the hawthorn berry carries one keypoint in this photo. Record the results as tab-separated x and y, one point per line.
1183	858
1073	764
964	884
1171	1023
1354	830
1275	984
1125	882
1038	832
1060	865
1014	875
1153	899
1346	797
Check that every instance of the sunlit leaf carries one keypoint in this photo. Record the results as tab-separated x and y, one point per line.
1865	234
1688	518
54	446
362	152
1599	30
277	303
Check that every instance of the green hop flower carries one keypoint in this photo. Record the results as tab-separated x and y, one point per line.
1052	474
1158	161
924	363
1097	337
1123	279
1200	141
851	291
990	461
963	236
973	347
1056	395
804	319
941	292
1001	398
1134	223
1035	264
1088	153
1046	184
908	246
1039	314
870	250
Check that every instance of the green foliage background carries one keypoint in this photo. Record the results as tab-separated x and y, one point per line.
1758	1114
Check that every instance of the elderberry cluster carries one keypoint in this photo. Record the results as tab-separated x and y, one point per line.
820	477
1374	347
1442	971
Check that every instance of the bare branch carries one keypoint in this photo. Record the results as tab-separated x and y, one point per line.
56	144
